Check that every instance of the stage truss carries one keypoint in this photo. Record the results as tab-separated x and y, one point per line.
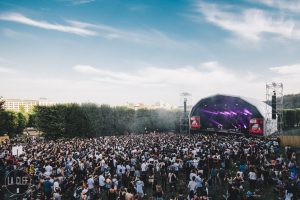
185	99
271	89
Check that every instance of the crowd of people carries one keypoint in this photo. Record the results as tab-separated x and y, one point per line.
155	166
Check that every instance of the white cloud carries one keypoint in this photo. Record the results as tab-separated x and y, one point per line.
147	36
153	82
202	80
116	77
79	2
289	75
249	24
290	5
17	34
148	84
209	72
19	18
287	69
6	70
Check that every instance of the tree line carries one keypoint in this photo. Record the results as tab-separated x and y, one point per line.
88	120
291	118
12	122
291	101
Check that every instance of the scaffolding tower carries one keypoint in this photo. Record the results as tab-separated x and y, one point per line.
274	98
185	107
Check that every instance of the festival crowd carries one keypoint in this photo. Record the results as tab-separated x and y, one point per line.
154	166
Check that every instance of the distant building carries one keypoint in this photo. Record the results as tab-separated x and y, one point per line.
158	105
162	105
20	104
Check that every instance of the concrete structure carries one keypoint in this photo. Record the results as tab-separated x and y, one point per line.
24	104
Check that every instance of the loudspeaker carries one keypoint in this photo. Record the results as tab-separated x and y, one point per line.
274	106
184	106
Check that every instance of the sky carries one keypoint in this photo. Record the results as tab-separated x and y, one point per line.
116	51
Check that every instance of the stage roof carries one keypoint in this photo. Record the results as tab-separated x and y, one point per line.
258	108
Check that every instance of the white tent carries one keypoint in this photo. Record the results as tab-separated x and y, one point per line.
270	125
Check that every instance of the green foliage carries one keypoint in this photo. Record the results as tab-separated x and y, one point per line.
123	120
12	122
88	120
31	120
51	120
22	121
8	122
291	101
1	104
77	123
291	118
298	117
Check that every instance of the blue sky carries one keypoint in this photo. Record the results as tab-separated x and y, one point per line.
116	51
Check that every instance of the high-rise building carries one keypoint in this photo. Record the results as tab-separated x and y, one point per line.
24	104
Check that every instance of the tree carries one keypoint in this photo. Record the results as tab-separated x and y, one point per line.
1	103
142	121
298	117
106	122
77	123
22	121
31	120
8	122
51	119
291	101
123	120
289	117
89	120
94	117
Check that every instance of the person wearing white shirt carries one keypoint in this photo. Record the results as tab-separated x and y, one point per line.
119	169
192	187
56	185
139	188
288	195
144	167
90	183
48	168
101	181
199	182
252	179
176	168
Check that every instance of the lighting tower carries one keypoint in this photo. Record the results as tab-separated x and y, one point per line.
185	107
274	98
